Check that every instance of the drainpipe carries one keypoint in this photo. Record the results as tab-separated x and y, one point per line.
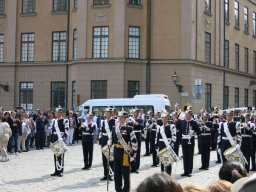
196	28
67	57
224	37
148	49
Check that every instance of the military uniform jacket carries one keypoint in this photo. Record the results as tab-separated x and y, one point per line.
63	127
170	132
246	132
87	131
103	136
178	130
128	135
235	131
206	135
185	127
139	127
153	128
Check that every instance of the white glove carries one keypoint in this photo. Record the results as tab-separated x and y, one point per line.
60	140
147	124
169	147
109	142
237	146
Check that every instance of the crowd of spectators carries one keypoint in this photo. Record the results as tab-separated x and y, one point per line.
232	178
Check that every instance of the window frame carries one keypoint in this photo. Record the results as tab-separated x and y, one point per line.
2	8
75	5
226	97
134	2
209	43
208	6
1	48
99	93
59	94
246	19
254	98
208	96
100	2
74	44
29	7
236	96
254	23
246	60
226	11
101	43
59	4
226	54
26	90
59	46
134	91
237	56
28	44
254	62
137	38
236	12
246	94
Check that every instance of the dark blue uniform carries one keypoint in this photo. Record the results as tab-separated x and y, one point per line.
246	132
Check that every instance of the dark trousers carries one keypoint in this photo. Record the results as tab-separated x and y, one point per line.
199	144
205	154
76	135
213	141
188	154
147	143
176	148
153	151
14	137
32	139
135	165
167	170
88	152
40	140
246	149
105	165
60	160
122	173
253	150
27	142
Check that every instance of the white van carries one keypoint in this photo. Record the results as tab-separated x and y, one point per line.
155	104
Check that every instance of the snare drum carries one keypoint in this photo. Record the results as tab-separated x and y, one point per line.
105	151
233	154
166	157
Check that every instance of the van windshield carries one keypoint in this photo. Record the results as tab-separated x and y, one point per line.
146	108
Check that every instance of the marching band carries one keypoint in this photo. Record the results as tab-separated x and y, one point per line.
233	138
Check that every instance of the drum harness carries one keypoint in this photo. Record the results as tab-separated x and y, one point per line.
61	145
166	142
231	140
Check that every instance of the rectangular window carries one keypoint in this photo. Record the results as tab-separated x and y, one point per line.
254	62
135	2
98	89
246	20
134	42
254	98
236	12
208	96
237	56
59	5
27	47
59	46
226	11
1	48
226	97
58	94
28	6
26	95
207	6
254	23
100	2
207	47
133	88
100	42
246	59
236	99
74	44
226	61
75	4
74	94
2	12
245	97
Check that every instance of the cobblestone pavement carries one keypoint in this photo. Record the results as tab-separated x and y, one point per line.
30	172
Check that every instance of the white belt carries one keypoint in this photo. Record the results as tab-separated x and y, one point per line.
87	134
137	131
204	134
254	133
186	137
169	139
155	130
105	134
226	138
243	135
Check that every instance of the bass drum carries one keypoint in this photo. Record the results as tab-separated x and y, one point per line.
233	154
166	157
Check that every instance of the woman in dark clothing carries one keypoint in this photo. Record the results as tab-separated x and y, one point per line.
16	128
